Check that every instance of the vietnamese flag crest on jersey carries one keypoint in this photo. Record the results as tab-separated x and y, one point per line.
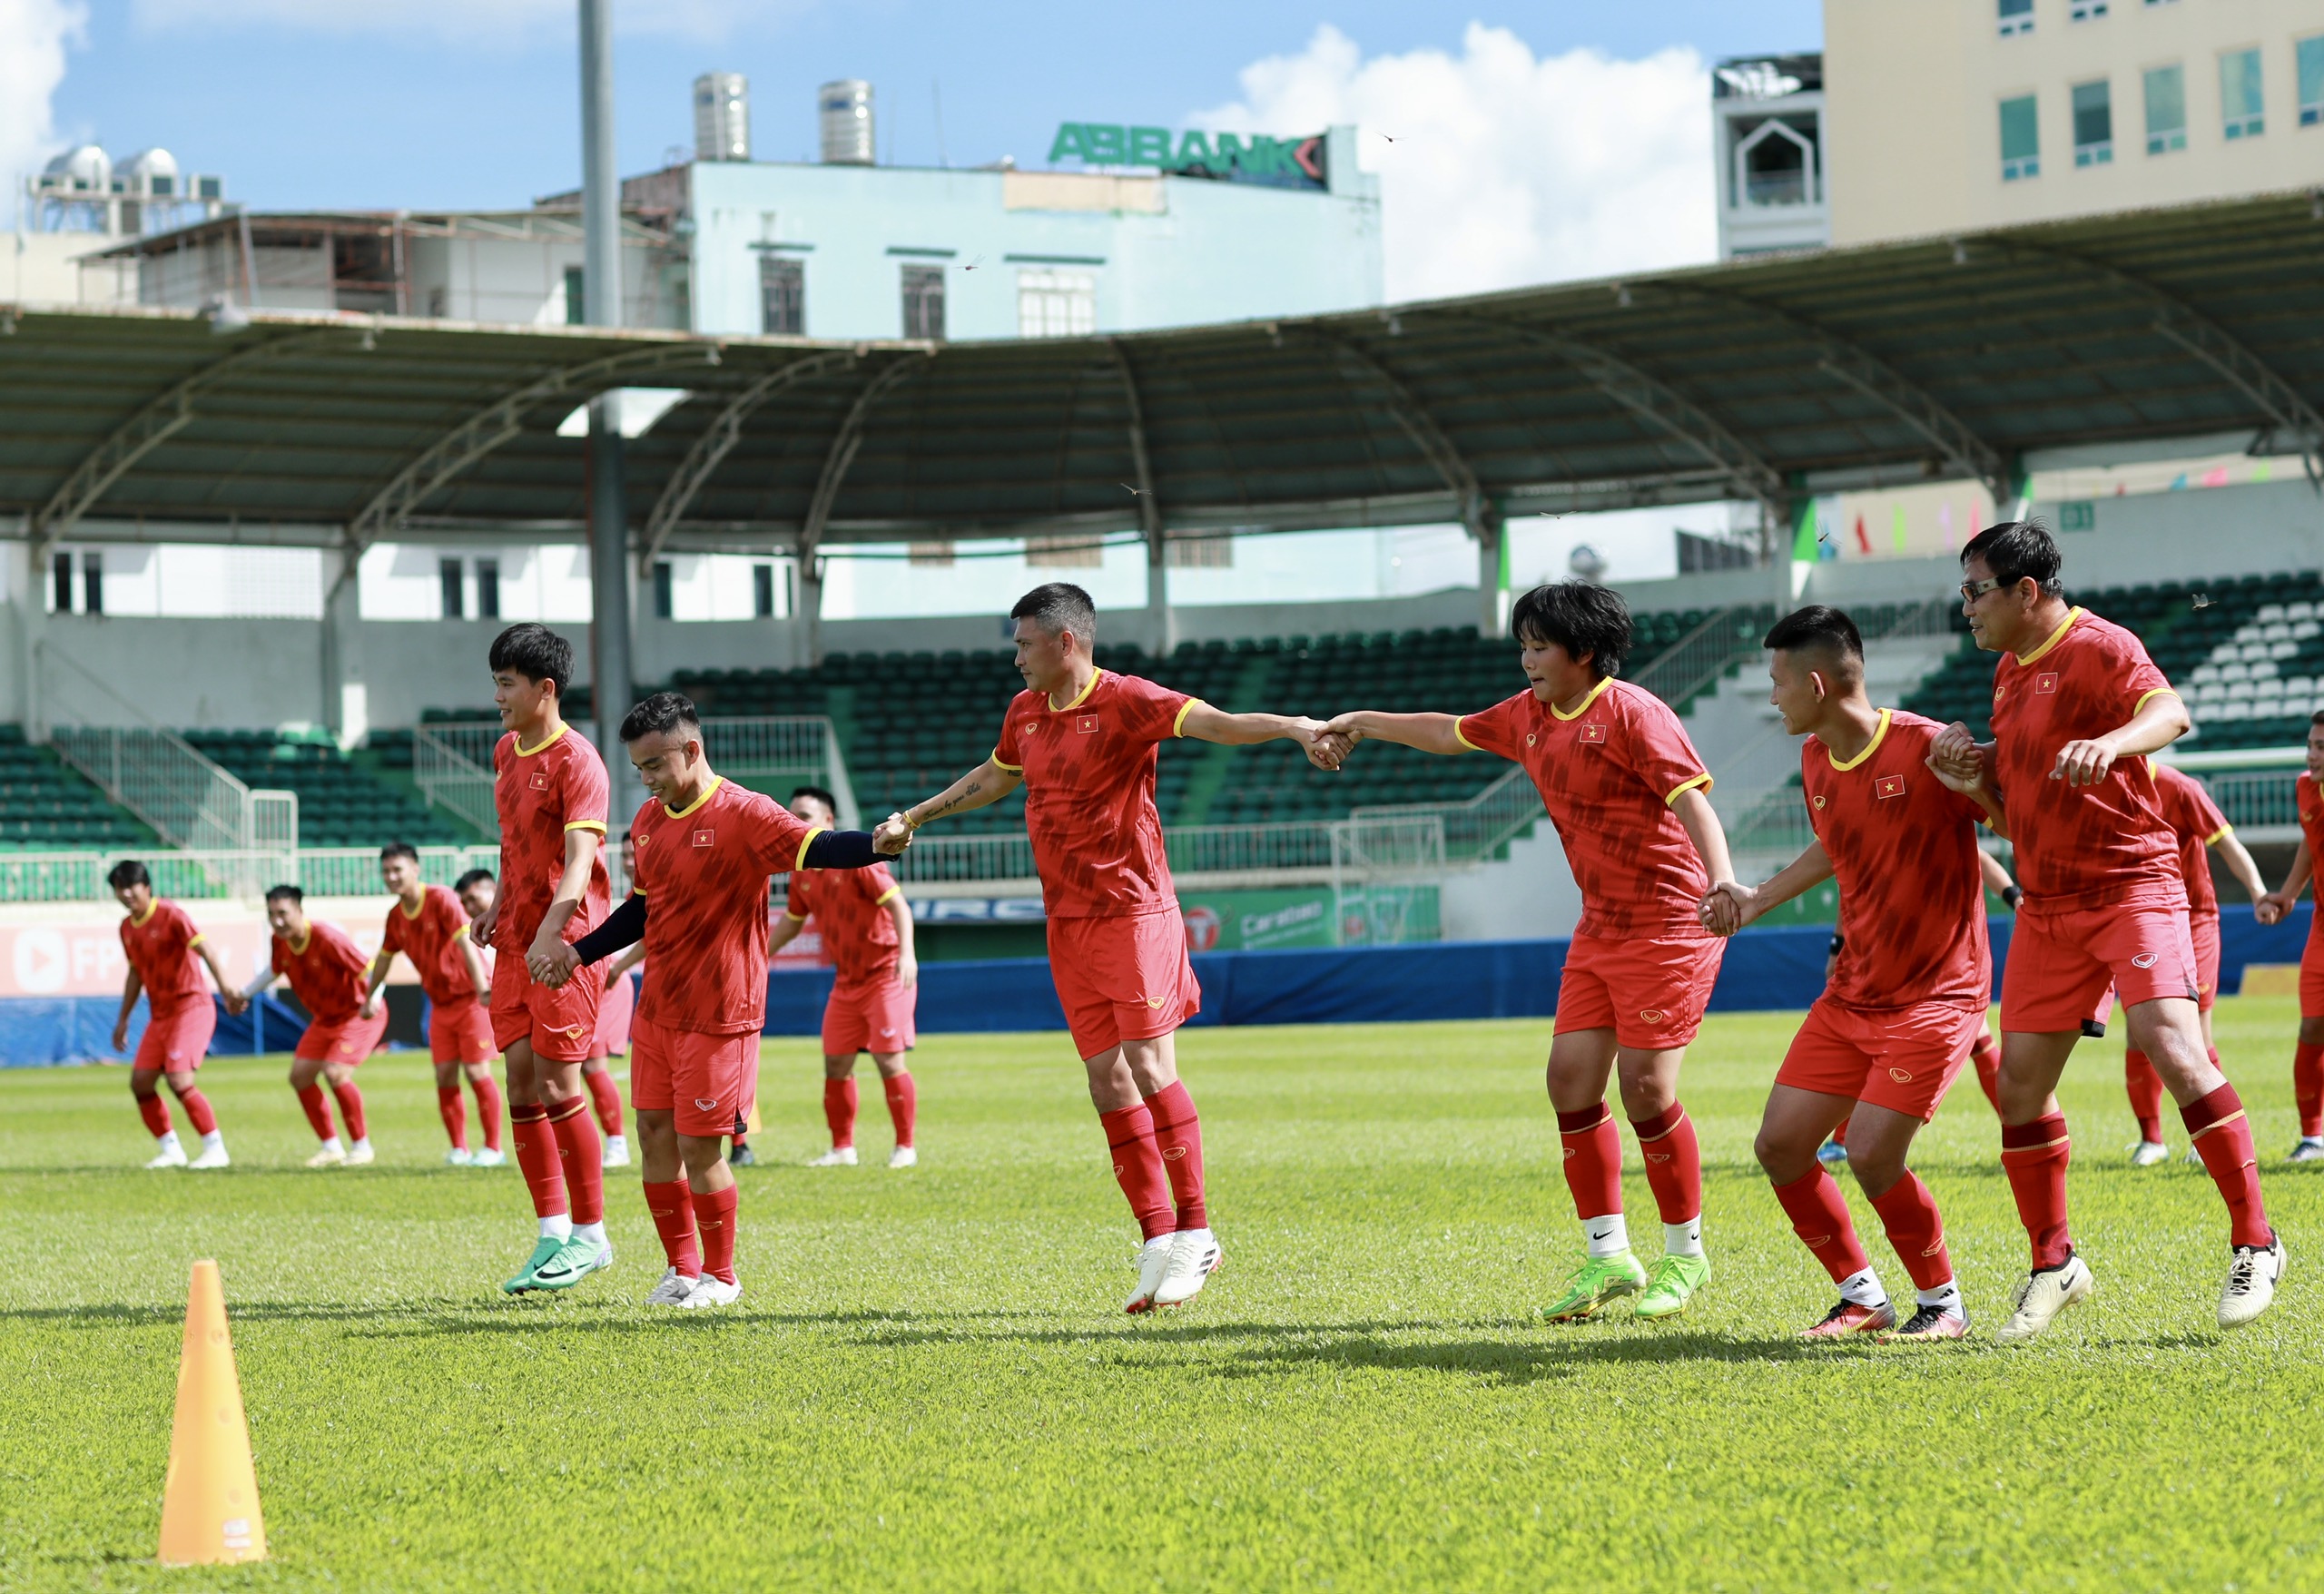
1593	732
1888	786
1085	724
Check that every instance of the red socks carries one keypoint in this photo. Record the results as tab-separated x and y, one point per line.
2145	1088
1674	1164
197	1107
2035	1156
1593	1161
605	1096
1138	1165
537	1156
488	1110
1984	1055
351	1108
318	1108
1909	1211
156	1114
714	1220
1840	1133
903	1105
839	1111
1819	1216
671	1207
582	1157
453	1108
1178	1133
2222	1136
2308	1087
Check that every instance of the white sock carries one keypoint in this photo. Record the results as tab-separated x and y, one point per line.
361	1143
167	1140
214	1141
559	1227
331	1143
1946	1297
1863	1289
595	1232
1683	1239
1606	1236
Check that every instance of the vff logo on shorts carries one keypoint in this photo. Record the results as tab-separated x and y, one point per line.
702	1106
2145	959
1652	1016
1888	786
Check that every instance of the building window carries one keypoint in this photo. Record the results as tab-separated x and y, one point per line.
447	575
924	302
1056	304
2093	123
1775	164
92	583
763	591
783	297
2083	10
2240	100
576	303
2020	139
60	584
1063	553
2166	110
2016	17
662	575
1199	553
488	590
2311	53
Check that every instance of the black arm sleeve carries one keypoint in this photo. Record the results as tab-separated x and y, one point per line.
623	927
841	850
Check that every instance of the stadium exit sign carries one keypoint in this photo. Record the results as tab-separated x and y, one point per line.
1279	162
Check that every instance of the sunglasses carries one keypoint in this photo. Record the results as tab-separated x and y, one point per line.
1971	591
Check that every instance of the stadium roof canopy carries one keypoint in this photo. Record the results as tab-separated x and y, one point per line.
1949	358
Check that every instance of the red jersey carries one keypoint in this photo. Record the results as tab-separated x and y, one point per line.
542	793
2081	847
1904	849
1608	772
2196	820
431	939
160	947
326	972
1088	769
704	873
2310	802
849	907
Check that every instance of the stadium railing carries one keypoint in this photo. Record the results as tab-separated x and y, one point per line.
225	872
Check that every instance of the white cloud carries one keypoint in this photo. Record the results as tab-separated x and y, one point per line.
1497	167
498	22
34	34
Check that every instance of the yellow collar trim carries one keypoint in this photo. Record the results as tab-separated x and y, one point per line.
715	782
2071	616
414	911
525	751
1871	747
1603	681
298	946
152	906
1079	697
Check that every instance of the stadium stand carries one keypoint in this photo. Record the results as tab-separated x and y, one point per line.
46	807
342	804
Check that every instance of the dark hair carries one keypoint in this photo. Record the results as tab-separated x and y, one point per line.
286	893
2315	719
1587	620
1818	625
1058	606
2016	549
471	877
400	850
126	873
829	802
536	653
659	714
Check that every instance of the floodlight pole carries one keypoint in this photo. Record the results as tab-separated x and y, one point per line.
609	499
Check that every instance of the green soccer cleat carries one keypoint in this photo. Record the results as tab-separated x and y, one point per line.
574	1261
1670	1283
1596	1282
545	1248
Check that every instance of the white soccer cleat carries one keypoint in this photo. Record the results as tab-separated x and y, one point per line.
329	1157
459	1157
2146	1153
1195	1255
171	1155
672	1290
2252	1280
711	1292
1153	1262
838	1156
212	1156
491	1157
2309	1148
616	1152
2043	1296
361	1154
903	1156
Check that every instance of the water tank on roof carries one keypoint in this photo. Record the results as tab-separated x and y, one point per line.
844	109
152	172
89	168
722	116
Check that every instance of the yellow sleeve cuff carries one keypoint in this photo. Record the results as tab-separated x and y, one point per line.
2150	696
597	825
1014	769
1178	726
459	932
888	896
1681	790
197	940
795	918
1458	735
2218	835
805	843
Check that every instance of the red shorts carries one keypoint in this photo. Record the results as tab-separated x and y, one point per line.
2204	933
2061	963
177	1037
1902	1059
876	1016
708	1083
459	1032
1123	978
1650	991
348	1042
559	1024
2311	972
615	1003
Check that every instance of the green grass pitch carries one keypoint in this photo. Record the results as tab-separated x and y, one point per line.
928	1384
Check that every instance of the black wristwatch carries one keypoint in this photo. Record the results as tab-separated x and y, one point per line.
1838	942
2013	895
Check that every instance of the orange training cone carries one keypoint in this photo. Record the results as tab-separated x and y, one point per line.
210	1500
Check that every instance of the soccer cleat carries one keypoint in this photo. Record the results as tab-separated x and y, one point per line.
574	1261
1195	1255
2252	1280
2195	1158
543	1249
2042	1296
1848	1319
172	1156
459	1157
491	1157
2146	1153
1831	1151
903	1156
329	1157
742	1157
711	1292
616	1152
1671	1282
672	1290
1153	1262
838	1156
212	1156
360	1153
1929	1324
1599	1280
2310	1148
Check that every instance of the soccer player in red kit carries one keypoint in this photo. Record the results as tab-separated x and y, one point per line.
1627	793
549	788
616	1004
1081	742
1907	998
866	926
705	849
2308	1052
2198	826
2076	701
161	944
325	969
426	924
